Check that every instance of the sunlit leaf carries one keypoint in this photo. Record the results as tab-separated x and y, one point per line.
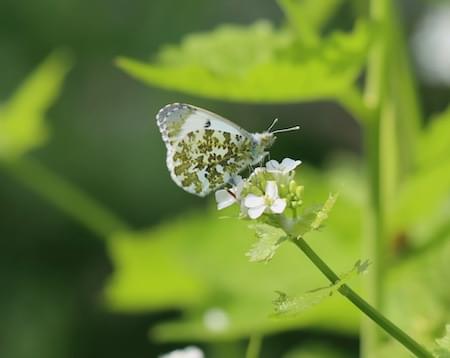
197	263
22	125
169	282
443	350
434	146
323	213
286	306
417	294
268	241
312	217
309	16
426	192
256	63
421	195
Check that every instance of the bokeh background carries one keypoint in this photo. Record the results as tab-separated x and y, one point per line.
104	139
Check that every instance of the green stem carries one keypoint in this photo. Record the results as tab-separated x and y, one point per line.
375	93
383	322
353	102
254	346
374	232
65	196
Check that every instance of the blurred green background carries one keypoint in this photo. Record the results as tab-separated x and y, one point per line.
103	137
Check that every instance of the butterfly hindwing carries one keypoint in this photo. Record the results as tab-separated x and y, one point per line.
204	150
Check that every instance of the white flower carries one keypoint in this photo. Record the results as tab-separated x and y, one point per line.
216	320
227	197
431	43
287	165
188	352
269	202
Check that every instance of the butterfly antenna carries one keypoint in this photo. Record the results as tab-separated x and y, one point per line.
295	128
272	125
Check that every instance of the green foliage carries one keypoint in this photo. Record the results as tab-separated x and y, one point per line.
197	263
308	17
322	214
443	350
256	64
418	296
321	349
429	180
268	241
434	145
292	306
22	126
312	217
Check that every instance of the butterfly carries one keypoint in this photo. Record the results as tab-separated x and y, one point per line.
205	151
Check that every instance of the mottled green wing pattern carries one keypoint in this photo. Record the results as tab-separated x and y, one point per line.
204	150
207	159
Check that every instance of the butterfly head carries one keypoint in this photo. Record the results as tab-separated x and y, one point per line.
267	138
261	142
264	140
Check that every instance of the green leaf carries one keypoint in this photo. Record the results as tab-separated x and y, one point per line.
197	264
312	218
434	145
256	63
425	194
137	256
269	240
421	195
417	294
22	126
443	350
286	306
322	214
309	16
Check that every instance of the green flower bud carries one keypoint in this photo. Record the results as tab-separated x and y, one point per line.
292	186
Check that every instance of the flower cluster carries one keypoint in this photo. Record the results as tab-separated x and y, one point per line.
268	190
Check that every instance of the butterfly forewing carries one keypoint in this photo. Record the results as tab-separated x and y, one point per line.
204	150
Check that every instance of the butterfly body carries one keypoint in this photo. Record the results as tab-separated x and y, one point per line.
204	150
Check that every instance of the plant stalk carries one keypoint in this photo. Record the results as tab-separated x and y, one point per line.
375	92
254	346
388	326
65	196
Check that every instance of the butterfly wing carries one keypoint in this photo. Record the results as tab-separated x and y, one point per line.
204	150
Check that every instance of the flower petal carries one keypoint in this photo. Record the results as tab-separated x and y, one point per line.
272	190
272	165
256	212
289	164
253	201
278	206
238	185
224	199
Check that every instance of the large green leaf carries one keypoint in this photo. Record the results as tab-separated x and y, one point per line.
309	16
197	263
22	125
425	194
421	196
418	295
434	146
256	63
